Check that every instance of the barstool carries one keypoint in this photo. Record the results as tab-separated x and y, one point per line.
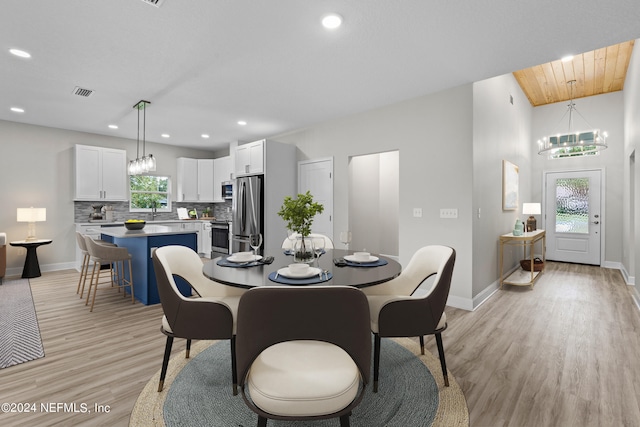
86	260
115	257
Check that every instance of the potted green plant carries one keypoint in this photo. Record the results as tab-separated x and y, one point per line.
298	214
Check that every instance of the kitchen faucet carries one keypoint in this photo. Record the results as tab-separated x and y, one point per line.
154	211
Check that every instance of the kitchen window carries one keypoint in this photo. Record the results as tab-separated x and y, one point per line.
149	192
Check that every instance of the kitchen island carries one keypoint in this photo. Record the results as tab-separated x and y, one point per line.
141	244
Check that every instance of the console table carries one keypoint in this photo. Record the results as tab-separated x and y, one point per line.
522	277
31	266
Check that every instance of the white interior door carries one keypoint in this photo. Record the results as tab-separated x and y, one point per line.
573	216
316	176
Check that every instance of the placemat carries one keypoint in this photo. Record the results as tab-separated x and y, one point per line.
309	281
377	263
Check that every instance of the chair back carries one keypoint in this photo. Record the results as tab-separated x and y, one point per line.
81	242
420	314
194	318
334	314
104	252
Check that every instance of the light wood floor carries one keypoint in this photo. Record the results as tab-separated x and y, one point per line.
565	354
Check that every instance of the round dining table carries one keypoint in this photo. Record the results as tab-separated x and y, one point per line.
251	276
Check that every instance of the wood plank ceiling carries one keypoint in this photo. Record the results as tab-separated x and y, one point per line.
596	72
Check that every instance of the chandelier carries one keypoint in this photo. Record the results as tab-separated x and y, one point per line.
146	163
572	143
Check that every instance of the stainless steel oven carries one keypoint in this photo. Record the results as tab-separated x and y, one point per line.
219	238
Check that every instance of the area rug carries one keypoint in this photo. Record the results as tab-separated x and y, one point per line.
197	392
19	332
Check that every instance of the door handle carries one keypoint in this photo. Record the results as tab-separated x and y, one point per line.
596	222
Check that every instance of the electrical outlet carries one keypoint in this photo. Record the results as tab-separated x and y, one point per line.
417	212
449	213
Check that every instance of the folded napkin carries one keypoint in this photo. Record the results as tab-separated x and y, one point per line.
307	281
224	262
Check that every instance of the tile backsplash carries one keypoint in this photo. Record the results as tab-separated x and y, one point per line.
82	211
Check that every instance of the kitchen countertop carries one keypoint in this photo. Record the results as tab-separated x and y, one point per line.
160	221
148	230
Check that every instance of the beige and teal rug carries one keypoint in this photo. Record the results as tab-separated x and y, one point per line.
20	339
197	392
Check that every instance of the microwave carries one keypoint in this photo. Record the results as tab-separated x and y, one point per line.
227	190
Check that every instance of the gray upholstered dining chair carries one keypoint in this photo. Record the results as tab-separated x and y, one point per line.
117	258
396	312
209	315
303	353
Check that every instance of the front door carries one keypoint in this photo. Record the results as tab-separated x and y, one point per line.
573	216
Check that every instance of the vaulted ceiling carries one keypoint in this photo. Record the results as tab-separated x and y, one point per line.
595	72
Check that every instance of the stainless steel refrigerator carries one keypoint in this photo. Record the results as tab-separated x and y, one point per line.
248	211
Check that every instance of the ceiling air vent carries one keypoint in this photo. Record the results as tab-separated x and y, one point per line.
82	92
156	3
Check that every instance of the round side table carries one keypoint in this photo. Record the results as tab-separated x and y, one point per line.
31	265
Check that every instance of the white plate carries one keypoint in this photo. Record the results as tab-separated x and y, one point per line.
352	258
234	258
312	271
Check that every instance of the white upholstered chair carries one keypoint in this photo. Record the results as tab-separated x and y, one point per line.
396	312
303	353
210	314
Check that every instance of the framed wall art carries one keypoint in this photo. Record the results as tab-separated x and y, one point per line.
509	186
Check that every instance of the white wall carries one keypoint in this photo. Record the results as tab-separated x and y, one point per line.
37	169
631	207
501	131
434	136
605	112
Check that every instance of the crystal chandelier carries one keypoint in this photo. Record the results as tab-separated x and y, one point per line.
572	143
145	164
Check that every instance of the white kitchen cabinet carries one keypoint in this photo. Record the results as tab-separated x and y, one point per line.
100	174
205	180
250	159
195	180
222	172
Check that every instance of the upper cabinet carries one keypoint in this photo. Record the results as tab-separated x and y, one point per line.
250	159
195	180
222	172
100	174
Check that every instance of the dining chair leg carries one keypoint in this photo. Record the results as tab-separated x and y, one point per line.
165	362
344	421
376	361
188	349
234	371
262	421
422	345
443	364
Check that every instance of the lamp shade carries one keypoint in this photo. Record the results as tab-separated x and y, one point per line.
31	214
531	208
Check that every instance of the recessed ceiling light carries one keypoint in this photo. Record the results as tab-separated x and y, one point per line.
567	58
204	135
17	109
113	126
165	135
242	123
20	53
332	21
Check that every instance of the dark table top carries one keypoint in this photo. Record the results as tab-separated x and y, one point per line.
249	277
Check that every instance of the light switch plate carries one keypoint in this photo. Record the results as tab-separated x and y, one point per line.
450	213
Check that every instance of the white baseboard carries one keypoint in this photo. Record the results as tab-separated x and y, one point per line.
17	271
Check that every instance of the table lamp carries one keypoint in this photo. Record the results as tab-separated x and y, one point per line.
531	209
32	215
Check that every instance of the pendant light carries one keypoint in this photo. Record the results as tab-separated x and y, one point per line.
572	143
145	163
